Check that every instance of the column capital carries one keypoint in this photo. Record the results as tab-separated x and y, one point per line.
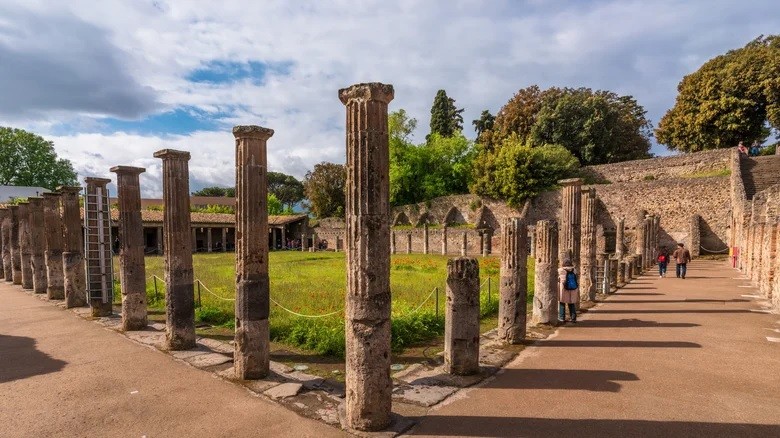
93	180
69	189
127	170
366	92
172	154
570	182
252	131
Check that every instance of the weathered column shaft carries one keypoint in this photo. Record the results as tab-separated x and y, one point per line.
392	243
695	233
37	245
409	242
368	383
444	240
5	233
75	278
627	270
485	244
99	256
464	246
224	239
532	238
621	272
131	248
159	240
425	238
768	256
640	236
24	245
545	304
52	220
513	290
461	320
208	239
587	265
571	213
16	253
252	338
620	247
180	301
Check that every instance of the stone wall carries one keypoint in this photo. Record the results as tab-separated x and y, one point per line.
663	168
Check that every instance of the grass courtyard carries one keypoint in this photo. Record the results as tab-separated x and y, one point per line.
306	286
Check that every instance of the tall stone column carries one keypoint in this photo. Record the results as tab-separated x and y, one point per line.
159	231
587	265
425	238
485	244
194	232
768	256
409	242
461	320
640	236
37	245
52	220
5	221
304	242
532	238
99	256
224	239
368	383
621	273
513	290
464	246
25	245
545	305
649	241
75	278
132	266
695	233
3	240
252	339
208	239
392	243
444	240
16	253
620	247
179	299
628	269
571	211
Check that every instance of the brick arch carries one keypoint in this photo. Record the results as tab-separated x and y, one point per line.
401	219
454	217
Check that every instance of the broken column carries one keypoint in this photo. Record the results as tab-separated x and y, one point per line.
368	383
179	298
392	243
485	243
513	290
52	220
571	211
25	245
545	304
251	355
444	240
587	265
37	245
627	270
425	238
409	242
620	247
695	233
99	255
75	279
132	266
461	321
16	254
464	245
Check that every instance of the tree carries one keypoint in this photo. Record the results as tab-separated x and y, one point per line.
446	118
400	125
731	98
516	117
275	206
325	190
216	192
515	171
26	159
286	188
484	122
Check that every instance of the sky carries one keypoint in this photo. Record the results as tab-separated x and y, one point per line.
111	82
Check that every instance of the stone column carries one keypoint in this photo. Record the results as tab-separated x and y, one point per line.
392	242
588	246
621	273
532	238
627	274
640	235
132	266
224	239
208	239
3	240
464	246
620	247
513	290
37	244
768	256
368	383
304	242
571	210
252	339
5	221
55	289
179	299
24	245
461	320
545	305
695	233
425	238
194	237
159	240
16	253
75	278
649	241
409	242
444	240
100	287
485	244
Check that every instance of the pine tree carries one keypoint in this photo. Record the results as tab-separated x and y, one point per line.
446	119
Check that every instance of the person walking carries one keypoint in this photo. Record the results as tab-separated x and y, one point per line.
755	149
663	261
568	291
681	256
742	149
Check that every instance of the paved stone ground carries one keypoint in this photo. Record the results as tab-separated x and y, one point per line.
61	375
662	357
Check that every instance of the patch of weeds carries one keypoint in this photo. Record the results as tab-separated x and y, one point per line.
709	173
475	204
214	316
649	178
414	328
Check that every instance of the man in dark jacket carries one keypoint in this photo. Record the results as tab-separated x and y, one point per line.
681	256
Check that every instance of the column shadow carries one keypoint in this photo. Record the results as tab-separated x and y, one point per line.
687	300
617	344
668	311
19	359
585	380
632	323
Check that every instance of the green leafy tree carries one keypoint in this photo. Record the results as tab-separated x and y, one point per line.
26	159
516	171
324	187
275	206
484	122
286	188
217	192
731	98
400	125
446	118
516	117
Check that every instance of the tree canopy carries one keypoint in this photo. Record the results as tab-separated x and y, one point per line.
731	98
27	159
484	122
217	192
286	188
446	118
597	127
324	187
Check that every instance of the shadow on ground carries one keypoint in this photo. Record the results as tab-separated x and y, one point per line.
19	359
585	380
618	344
632	323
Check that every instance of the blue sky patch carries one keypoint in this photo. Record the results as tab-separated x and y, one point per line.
223	72
178	121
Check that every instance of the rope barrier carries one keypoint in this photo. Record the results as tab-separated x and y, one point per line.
716	252
305	316
212	293
424	301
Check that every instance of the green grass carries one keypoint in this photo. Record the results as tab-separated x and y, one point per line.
709	173
315	284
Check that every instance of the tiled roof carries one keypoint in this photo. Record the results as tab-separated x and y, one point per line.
156	216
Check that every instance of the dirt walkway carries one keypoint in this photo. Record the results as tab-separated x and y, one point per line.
61	375
663	357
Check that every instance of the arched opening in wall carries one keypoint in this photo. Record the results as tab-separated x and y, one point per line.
401	219
426	218
486	219
454	217
709	241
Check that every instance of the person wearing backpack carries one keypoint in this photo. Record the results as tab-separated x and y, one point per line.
568	291
663	261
